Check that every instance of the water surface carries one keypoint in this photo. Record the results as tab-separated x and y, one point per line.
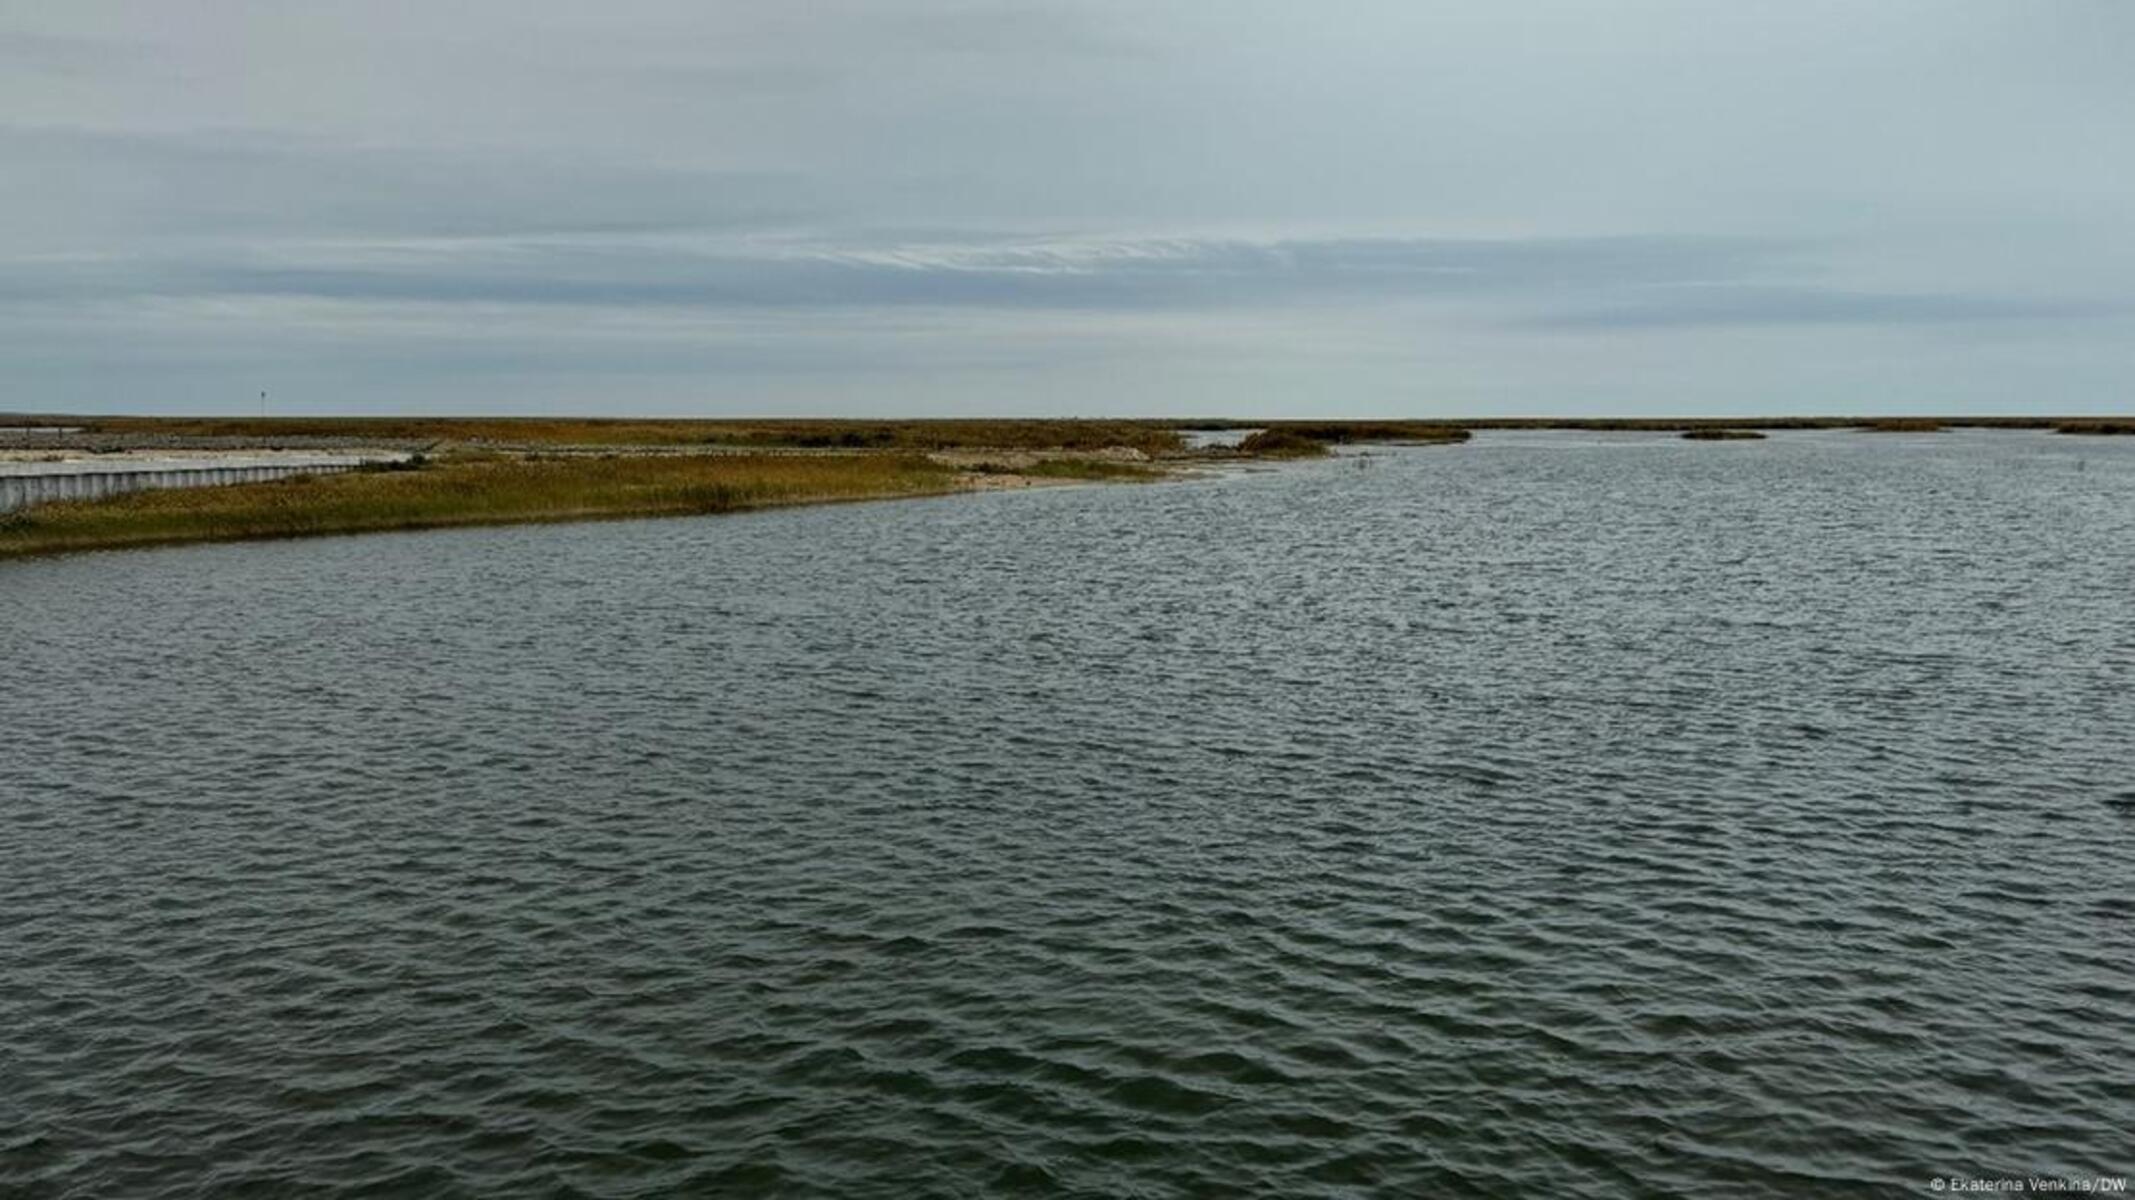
1562	813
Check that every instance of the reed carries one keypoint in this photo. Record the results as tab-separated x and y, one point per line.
475	491
1151	437
1372	431
1656	424
2100	427
1282	442
1080	468
1721	435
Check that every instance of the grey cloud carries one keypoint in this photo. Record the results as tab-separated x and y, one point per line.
889	205
1091	274
991	29
223	182
1682	308
64	54
1600	284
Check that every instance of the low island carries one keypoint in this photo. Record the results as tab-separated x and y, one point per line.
434	473
428	473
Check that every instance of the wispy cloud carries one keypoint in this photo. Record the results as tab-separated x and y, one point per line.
714	268
1753	305
205	183
65	54
1568	284
1121	204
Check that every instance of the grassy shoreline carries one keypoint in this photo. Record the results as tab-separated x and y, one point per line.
467	492
494	471
1155	437
743	435
2056	424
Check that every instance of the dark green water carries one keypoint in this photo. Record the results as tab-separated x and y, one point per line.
1554	815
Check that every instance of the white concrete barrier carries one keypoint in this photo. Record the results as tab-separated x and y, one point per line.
23	484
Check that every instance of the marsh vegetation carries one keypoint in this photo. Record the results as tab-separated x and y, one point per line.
1282	443
496	470
1091	469
1150	437
1311	439
1342	432
470	490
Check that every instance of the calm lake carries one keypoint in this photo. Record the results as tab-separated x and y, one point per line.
1559	814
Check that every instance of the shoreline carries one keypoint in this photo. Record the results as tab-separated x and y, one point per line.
482	491
822	436
589	517
468	473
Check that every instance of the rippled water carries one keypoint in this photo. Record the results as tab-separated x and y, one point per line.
1552	815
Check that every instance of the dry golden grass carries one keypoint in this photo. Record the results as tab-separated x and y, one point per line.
1372	431
1310	439
1282	443
467	492
1094	470
1151	437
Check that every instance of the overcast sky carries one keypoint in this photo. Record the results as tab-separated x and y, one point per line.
1081	207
